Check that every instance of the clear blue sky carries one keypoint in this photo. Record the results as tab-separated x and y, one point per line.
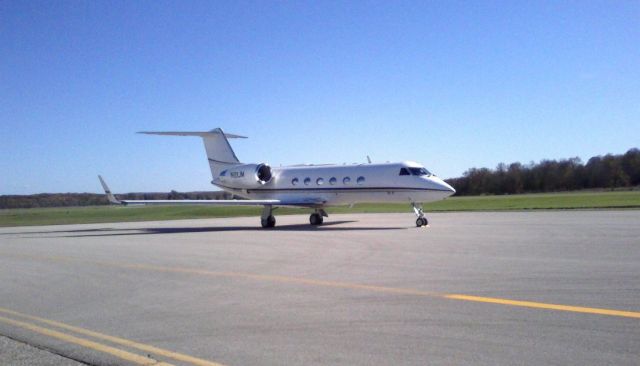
450	84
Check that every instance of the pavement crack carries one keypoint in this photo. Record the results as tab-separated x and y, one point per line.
46	349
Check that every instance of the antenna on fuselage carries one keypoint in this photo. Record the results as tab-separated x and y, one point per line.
368	159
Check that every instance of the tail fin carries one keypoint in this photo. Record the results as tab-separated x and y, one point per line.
219	152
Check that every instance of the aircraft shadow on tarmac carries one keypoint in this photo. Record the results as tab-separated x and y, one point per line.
327	226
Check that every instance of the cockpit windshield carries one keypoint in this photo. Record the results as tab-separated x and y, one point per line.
415	171
419	171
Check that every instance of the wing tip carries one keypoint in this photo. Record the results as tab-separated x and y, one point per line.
110	197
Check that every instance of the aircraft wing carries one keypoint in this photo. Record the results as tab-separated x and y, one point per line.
302	203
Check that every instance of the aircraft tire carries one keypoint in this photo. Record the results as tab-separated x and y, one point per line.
315	219
269	222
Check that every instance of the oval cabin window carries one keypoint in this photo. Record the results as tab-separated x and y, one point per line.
319	181
295	181
333	180
346	180
360	180
307	181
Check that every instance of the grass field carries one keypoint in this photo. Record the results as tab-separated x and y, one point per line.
94	214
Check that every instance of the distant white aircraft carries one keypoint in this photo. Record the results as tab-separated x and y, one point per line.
310	186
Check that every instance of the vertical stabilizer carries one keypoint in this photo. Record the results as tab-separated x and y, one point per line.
219	152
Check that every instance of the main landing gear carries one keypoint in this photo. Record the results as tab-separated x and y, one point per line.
421	221
316	218
267	219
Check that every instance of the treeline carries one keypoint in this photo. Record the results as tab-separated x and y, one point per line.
91	199
600	172
608	171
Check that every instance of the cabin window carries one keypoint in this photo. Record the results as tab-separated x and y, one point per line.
333	180
319	181
295	181
346	180
307	180
404	171
223	173
419	171
360	180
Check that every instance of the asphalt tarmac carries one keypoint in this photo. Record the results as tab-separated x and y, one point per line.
527	288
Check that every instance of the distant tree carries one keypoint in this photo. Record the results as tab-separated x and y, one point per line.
616	176
514	179
173	195
609	171
631	166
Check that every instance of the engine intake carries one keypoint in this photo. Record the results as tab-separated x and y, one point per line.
247	176
263	173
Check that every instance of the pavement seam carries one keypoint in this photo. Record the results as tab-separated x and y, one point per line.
116	340
46	349
95	346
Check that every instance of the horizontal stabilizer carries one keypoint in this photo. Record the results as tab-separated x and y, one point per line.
213	132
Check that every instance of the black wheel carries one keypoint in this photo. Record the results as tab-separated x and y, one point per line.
315	219
269	222
419	222
424	221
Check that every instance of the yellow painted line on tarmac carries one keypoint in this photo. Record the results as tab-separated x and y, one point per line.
124	355
354	286
273	278
541	305
251	276
121	341
385	289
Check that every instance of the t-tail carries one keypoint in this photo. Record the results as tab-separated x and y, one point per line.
219	151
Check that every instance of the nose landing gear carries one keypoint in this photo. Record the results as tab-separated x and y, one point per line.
421	221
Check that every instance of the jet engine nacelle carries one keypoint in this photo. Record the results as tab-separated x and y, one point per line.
247	176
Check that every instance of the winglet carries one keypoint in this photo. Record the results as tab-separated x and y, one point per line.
107	191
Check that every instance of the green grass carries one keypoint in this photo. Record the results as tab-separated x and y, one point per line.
95	214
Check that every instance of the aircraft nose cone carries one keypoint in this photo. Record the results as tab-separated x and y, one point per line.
443	186
449	187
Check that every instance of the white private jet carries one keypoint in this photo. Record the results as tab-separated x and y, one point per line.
309	186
